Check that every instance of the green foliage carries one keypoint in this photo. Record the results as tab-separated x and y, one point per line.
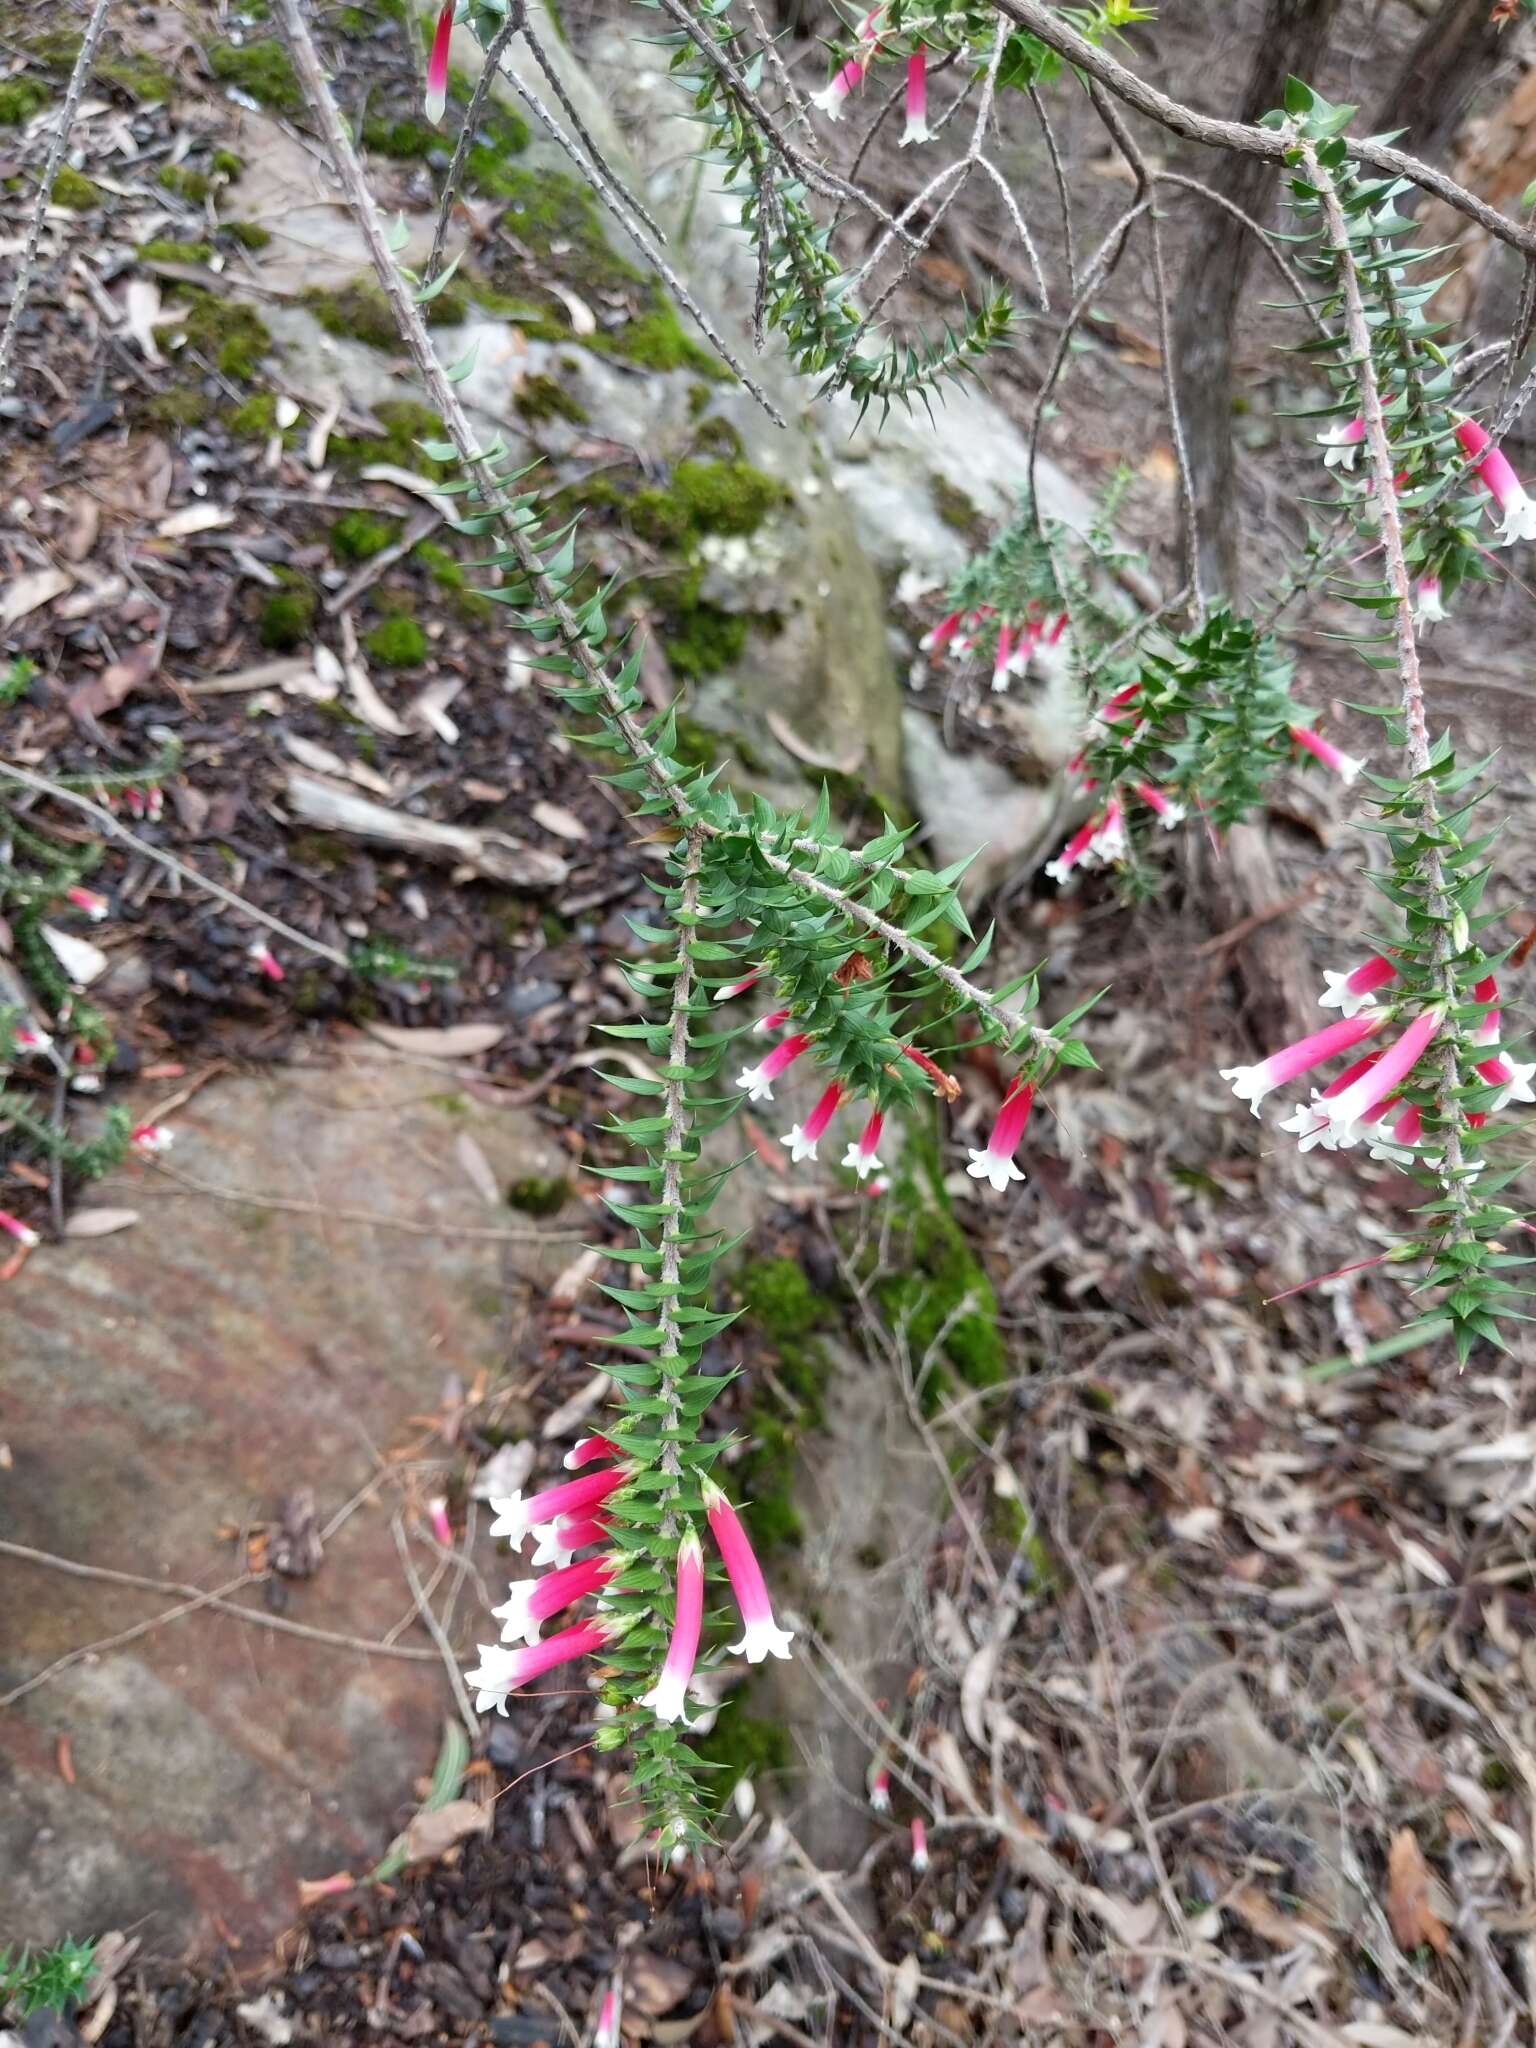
178	405
193	186
358	536
226	332
18	673
74	190
287	616
360	311
263	69
163	251
248	233
47	1979
706	497
255	416
539	1194
406	423
545	398
21	98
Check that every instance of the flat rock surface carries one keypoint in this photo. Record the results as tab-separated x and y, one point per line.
167	1388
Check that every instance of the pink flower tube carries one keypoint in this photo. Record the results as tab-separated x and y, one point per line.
738	988
585	1449
264	960
669	1695
1345	766
516	1516
762	1636
1252	1084
532	1602
917	98
94	906
1354	1104
1108	841
1407	1130
879	1788
607	2035
1427	607
556	1543
1341	443
503	1671
919	1845
149	1140
996	1162
1356	990
756	1083
830	99
802	1139
774	1021
1071	855
1001	659
437	66
939	638
1310	1122
23	1233
1166	809
1497	475
860	1155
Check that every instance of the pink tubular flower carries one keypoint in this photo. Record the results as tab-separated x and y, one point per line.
1342	443
919	1845
437	1515
774	1021
94	906
1310	1122
556	1543
1345	766
1356	990
738	988
996	1164
1111	708
607	2035
28	1038
860	1155
1056	628
1427	607
762	1637
437	66
1498	478
531	1602
669	1695
1107	843
504	1671
1252	1084
1354	1104
938	639
1407	1130
1166	809
1510	1077
879	1787
1001	659
917	98
151	1139
1072	853
264	960
516	1516
585	1449
802	1139
13	1226
756	1083
830	99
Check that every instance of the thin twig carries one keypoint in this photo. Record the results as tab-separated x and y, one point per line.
292	1205
1059	174
21	284
434	1628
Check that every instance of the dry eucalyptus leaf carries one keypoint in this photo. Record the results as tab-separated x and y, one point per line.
478	1168
1412	1918
557	819
439	1042
99	1222
28	593
431	1834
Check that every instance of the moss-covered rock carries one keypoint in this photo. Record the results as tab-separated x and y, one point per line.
137	78
358	536
938	1274
249	234
21	98
287	616
361	311
193	186
545	398
178	405
403	138
225	331
175	252
538	1194
397	642
255	417
707	497
263	69
72	189
405	423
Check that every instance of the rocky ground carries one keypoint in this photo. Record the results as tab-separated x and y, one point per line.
1209	1672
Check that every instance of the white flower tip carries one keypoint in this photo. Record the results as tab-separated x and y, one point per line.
1058	870
830	101
763	1639
667	1698
1247	1085
437	105
988	1166
750	1081
511	1518
800	1146
1349	769
880	1799
917	131
1519	520
919	1860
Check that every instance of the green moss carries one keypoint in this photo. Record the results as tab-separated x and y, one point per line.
543	398
225	331
21	98
500	136
137	78
255	416
780	1298
248	233
1012	1529
262	69
72	189
696	746
958	511
397	642
55	48
658	340
176	252
703	640
287	616
179	405
405	421
937	1272
193	186
404	139
359	536
549	208
471	605
361	311
539	1194
717	437
228	165
706	497
741	1746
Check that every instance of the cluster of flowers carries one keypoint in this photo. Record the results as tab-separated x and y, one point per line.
1018	641
1101	842
147	803
1365	1101
1494	471
994	1162
572	1517
872	31
145	1139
